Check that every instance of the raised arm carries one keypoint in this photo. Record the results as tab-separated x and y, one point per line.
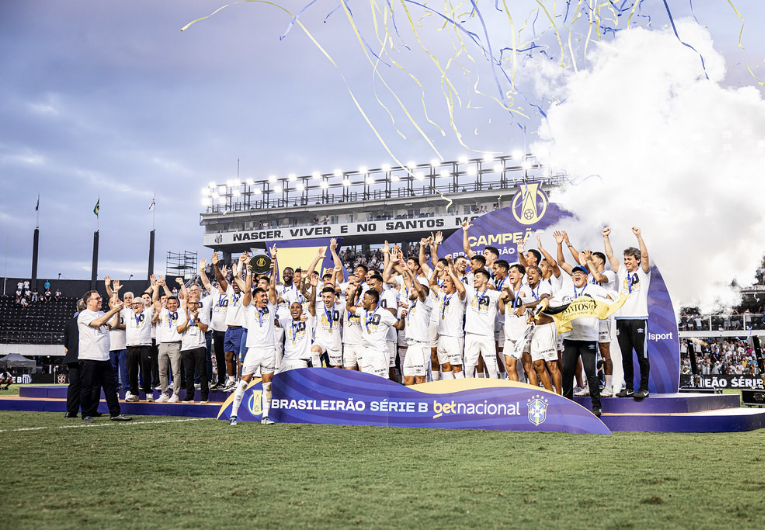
574	252
108	284
115	308
152	283
520	247
218	274
155	299
388	263
644	261
434	246
203	276
455	279
548	257
115	321
586	257
335	258
423	259
247	287
312	296
272	296
609	250
466	240
561	259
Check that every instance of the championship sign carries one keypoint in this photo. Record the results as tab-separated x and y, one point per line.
346	397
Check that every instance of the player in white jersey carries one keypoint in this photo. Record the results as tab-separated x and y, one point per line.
138	341
194	348
167	319
633	280
481	313
500	270
517	343
352	351
461	272
328	313
544	338
450	312
260	312
417	322
375	322
388	301
235	320
297	348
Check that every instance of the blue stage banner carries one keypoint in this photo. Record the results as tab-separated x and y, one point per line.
251	408
301	252
531	212
347	397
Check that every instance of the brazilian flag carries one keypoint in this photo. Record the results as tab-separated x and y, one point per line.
97	208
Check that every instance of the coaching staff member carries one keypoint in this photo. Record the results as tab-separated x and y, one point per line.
71	348
95	367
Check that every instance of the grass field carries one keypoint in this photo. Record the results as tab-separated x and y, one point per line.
162	472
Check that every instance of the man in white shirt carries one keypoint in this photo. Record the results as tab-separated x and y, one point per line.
633	279
517	345
328	313
168	319
94	357
481	314
138	340
352	351
450	311
297	328
375	324
235	321
544	338
417	322
194	348
118	352
260	312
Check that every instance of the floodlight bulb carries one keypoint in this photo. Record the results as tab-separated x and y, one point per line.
472	171
497	168
517	154
445	173
250	182
324	185
258	191
419	175
346	182
278	189
395	178
488	157
229	183
386	167
363	170
272	178
222	189
236	193
338	173
462	160
526	165
411	165
292	177
215	195
435	162
300	186
212	184
370	180
316	175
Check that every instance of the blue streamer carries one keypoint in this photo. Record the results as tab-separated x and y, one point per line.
294	19
491	55
672	21
362	37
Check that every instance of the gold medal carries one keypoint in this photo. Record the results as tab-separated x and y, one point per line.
443	317
329	330
369	331
293	342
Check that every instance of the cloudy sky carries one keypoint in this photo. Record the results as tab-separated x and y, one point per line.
111	99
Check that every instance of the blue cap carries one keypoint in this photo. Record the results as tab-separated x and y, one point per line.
579	268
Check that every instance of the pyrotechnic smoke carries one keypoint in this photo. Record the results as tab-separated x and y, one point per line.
675	153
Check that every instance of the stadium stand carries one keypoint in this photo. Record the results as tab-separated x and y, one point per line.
40	323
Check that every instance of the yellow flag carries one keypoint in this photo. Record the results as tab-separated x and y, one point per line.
586	307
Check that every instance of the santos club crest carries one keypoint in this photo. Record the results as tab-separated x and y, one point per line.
537	409
529	204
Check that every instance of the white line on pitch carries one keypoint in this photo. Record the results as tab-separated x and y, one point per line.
103	424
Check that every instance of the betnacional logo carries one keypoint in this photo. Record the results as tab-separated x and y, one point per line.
255	404
537	409
529	204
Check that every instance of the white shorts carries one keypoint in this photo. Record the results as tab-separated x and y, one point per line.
416	360
450	350
605	333
335	356
544	343
294	364
433	333
509	349
401	338
375	362
391	353
484	346
351	355
260	360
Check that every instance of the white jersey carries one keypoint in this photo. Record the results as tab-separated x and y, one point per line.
117	336
167	325
219	311
351	328
206	307
374	327
481	311
193	337
260	326
418	320
328	324
515	326
450	312
586	329
94	342
138	327
635	286
610	284
235	312
297	345
389	300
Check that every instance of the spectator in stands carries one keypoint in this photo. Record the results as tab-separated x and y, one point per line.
35	295
19	295
20	286
58	294
46	285
26	285
6	378
47	296
24	303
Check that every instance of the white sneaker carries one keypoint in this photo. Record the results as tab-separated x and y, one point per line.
606	392
163	398
150	397
232	421
131	397
203	402
582	392
266	421
230	386
128	395
173	399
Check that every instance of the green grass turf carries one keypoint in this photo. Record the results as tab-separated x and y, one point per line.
204	473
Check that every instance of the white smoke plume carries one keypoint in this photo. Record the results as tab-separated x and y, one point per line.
668	150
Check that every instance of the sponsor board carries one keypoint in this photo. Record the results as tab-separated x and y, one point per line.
346	397
725	381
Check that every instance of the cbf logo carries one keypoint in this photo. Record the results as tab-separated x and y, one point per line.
529	204
537	409
255	404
